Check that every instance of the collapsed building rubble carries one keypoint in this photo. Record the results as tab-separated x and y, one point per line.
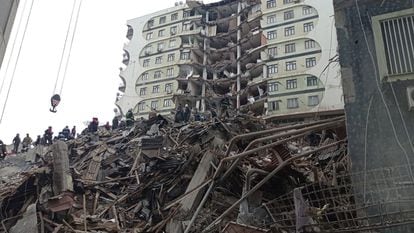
159	176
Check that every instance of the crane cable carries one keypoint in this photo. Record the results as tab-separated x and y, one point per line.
17	60
64	46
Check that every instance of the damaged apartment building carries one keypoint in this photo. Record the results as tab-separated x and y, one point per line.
274	58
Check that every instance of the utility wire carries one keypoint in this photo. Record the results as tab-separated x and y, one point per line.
13	46
64	47
17	60
70	48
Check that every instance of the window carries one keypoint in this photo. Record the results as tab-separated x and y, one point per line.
141	106
307	10
273	87
312	81
288	15
167	103
148	49
310	62
157	74
143	91
309	44
162	20
173	30
149	36
160	46
291	84
172	43
272	52
158	60
287	1
146	62
289	31
168	87
156	89
271	3
290	65
154	104
394	34
186	14
161	33
171	57
150	23
185	56
313	100
170	72
290	48
271	35
174	16
274	105
307	27
293	103
271	19
144	76
271	69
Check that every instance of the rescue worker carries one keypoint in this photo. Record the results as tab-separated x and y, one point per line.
3	150
73	132
129	118
93	126
115	123
16	143
66	132
187	113
27	141
38	140
48	136
107	126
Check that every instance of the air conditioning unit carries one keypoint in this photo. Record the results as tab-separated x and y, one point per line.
410	95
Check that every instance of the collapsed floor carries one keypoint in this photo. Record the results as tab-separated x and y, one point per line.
240	175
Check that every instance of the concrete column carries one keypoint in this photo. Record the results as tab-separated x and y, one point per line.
203	87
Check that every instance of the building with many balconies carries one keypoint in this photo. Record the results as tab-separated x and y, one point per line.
8	10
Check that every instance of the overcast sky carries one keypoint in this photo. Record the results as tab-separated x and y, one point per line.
92	77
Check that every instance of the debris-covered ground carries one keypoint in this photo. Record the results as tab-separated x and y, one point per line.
237	175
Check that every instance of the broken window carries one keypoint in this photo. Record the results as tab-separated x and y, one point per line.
307	27
290	65
290	48
185	56
154	104
291	84
307	10
274	105
143	91
141	106
271	69
273	87
170	57
287	1
293	103
271	35
162	20
167	103
156	89
271	3
170	72
288	15
313	100
310	62
173	30
146	62
144	76
290	31
168	88
150	23
157	74
174	16
149	36
272	52
312	81
309	44
172	43
158	60
271	19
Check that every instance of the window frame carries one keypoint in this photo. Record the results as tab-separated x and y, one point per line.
290	31
291	84
291	64
295	102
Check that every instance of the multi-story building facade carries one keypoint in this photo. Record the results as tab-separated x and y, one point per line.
275	58
8	10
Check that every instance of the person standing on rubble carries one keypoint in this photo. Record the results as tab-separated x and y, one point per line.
16	143
48	136
129	118
179	114
107	126
27	141
93	126
38	140
66	132
73	132
187	113
3	150
115	123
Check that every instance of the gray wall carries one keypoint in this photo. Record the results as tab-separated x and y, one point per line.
8	9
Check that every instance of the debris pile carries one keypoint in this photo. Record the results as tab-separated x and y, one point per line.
161	176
